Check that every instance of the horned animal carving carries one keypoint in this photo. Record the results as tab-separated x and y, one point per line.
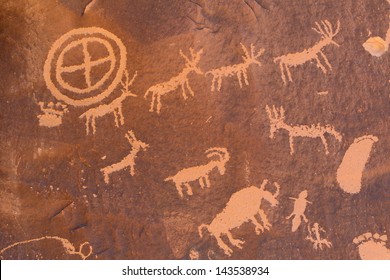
129	160
314	53
243	206
114	107
240	70
181	80
277	122
201	173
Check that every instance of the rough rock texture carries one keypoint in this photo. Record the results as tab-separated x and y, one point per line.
51	183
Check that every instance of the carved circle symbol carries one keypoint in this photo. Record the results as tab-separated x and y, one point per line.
81	39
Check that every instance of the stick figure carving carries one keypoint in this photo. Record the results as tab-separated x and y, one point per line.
243	206
277	122
240	70
114	107
129	160
201	172
69	247
313	53
314	236
298	213
181	80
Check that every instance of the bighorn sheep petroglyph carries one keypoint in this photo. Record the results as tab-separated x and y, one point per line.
181	80
276	117
243	206
201	173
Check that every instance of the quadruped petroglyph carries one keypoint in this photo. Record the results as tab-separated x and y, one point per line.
314	53
314	236
129	160
243	206
83	252
181	80
240	70
372	246
52	114
201	172
59	72
298	213
277	122
115	107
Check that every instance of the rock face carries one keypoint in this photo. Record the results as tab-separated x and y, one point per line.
193	129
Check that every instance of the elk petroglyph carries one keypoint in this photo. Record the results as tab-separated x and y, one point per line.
314	53
314	236
243	206
115	107
69	247
181	80
240	70
277	122
298	212
372	246
129	160
201	172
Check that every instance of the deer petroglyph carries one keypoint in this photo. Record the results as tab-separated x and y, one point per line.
314	236
277	122
314	53
201	173
298	212
129	160
181	80
240	70
114	107
243	206
69	247
372	246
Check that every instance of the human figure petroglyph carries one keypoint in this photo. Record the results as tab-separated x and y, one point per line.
372	246
314	236
277	122
115	107
201	172
129	160
298	212
68	246
243	206
181	80
240	70
313	53
52	114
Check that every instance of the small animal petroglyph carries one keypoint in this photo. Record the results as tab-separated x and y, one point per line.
314	236
243	206
129	160
240	70
52	114
350	171
114	107
201	172
69	247
313	53
376	46
299	210
277	122
181	80
372	246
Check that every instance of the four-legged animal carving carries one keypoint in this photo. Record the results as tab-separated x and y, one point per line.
277	122
129	160
200	173
314	236
114	107
242	207
313	53
181	80
240	70
299	210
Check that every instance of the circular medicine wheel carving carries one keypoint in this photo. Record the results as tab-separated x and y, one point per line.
84	66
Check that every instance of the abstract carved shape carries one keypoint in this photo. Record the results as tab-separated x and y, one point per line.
313	53
372	246
52	114
243	206
299	210
200	173
57	71
350	171
314	236
276	117
376	46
